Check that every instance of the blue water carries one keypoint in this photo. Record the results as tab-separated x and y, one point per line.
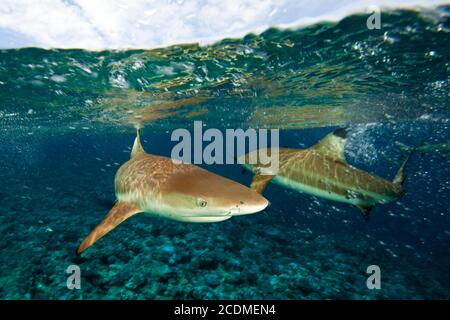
66	125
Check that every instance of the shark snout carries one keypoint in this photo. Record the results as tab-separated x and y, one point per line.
256	204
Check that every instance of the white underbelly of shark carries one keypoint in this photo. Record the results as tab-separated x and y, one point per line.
303	188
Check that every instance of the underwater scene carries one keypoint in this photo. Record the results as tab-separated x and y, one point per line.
378	100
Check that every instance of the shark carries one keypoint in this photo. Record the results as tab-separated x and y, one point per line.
322	170
157	186
441	148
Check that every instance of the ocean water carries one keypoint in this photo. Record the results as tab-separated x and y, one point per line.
67	122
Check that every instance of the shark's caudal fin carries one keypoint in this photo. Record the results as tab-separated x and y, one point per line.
398	180
119	213
332	145
400	176
137	146
403	147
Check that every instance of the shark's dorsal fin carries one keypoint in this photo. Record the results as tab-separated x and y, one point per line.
332	145
137	147
119	213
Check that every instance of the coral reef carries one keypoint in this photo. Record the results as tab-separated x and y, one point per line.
300	247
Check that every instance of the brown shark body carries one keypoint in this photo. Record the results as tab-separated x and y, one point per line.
157	186
322	171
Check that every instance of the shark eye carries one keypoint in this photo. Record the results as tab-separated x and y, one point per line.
201	203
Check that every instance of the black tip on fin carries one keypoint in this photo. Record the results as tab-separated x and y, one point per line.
341	133
365	210
366	216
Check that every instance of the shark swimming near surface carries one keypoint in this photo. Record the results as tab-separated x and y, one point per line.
322	171
440	148
157	186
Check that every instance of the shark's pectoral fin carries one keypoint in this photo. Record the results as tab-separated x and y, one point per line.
119	213
260	182
365	210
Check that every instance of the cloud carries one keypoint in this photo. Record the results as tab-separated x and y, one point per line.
97	24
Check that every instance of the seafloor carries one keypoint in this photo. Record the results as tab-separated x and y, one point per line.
56	189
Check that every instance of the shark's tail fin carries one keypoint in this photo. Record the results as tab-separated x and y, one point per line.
137	146
400	176
403	147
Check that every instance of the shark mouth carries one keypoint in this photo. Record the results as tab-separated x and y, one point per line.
218	215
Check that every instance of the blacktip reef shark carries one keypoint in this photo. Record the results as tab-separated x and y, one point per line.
322	171
157	186
441	148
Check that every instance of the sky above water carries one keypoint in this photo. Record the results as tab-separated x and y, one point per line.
98	24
